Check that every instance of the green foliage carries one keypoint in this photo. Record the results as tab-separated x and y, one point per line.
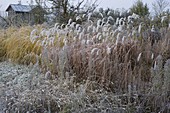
139	8
39	13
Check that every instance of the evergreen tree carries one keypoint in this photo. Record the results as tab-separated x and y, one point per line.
139	8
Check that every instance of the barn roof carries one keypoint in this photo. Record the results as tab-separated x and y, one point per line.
20	8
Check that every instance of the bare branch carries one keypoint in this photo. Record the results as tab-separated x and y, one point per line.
159	6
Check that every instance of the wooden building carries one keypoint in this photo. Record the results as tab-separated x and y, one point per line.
32	14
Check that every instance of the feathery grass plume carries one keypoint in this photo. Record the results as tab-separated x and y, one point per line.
97	60
108	50
139	56
169	27
89	16
152	56
93	51
166	83
157	77
118	38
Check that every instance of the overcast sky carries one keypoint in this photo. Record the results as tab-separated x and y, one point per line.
102	3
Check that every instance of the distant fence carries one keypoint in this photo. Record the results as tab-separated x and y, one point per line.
3	13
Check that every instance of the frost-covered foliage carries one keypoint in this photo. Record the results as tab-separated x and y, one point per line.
128	60
118	56
25	89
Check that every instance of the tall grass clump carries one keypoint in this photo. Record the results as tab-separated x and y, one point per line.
124	61
128	62
17	46
2	49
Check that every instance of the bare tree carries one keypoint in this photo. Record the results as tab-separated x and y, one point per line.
159	6
65	9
